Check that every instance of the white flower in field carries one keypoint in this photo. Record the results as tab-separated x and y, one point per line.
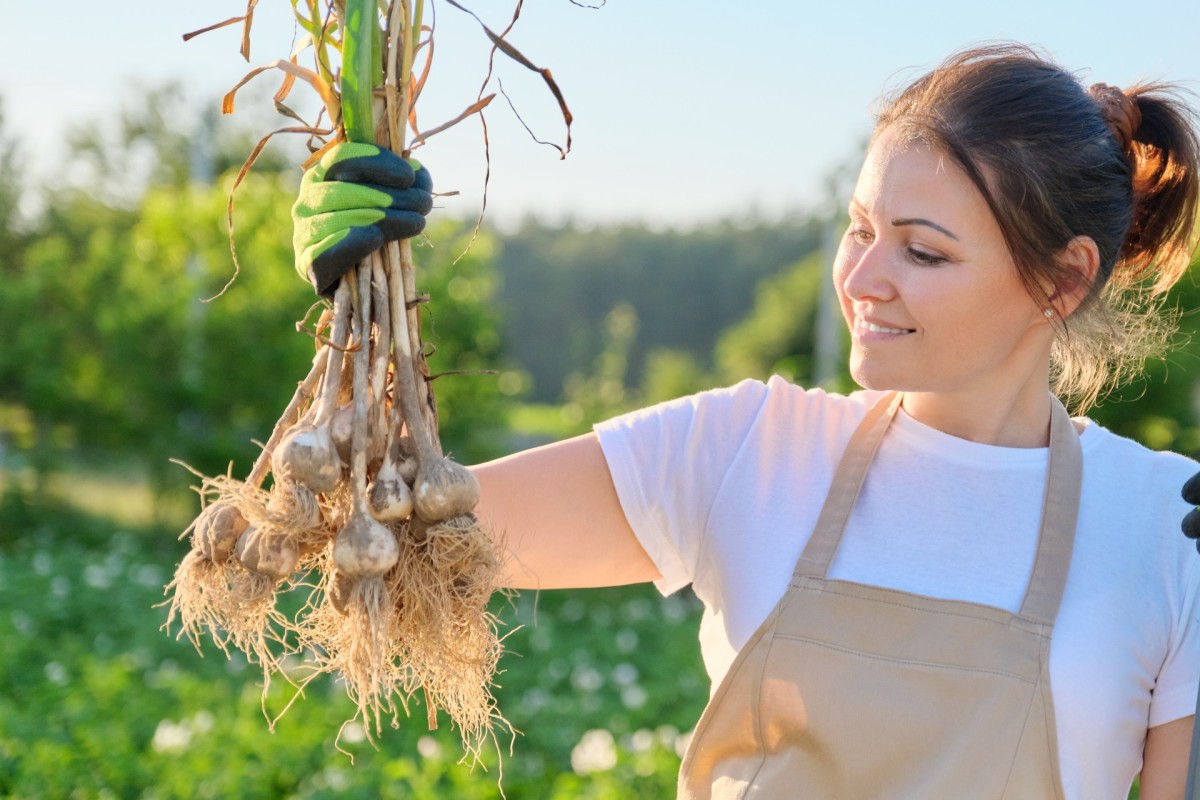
535	700
336	778
625	674
429	747
56	673
22	622
174	737
353	733
203	721
171	736
675	609
637	608
97	576
634	696
147	575
596	752
642	740
587	679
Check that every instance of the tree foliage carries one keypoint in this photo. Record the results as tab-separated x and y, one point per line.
778	335
1160	407
165	139
123	352
561	283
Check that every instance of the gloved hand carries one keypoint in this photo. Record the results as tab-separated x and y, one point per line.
1191	522
354	199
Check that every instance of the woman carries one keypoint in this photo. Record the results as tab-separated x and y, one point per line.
939	586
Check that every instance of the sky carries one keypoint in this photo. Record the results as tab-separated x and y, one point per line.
685	112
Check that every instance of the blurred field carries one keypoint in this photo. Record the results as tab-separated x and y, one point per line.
98	702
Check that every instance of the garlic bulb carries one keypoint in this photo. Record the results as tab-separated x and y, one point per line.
444	489
306	454
365	548
388	496
217	531
268	552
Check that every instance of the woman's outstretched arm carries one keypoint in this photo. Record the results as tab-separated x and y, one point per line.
556	514
1165	760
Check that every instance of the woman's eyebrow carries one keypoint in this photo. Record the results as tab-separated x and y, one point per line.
856	203
919	221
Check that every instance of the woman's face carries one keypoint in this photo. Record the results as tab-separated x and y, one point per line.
926	282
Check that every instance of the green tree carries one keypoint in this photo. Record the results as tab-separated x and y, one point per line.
456	270
684	286
671	373
166	139
18	430
122	359
12	236
156	372
54	301
601	392
778	335
113	346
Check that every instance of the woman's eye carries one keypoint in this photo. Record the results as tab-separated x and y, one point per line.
861	236
925	259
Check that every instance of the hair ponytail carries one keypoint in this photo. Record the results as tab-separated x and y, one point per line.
1165	156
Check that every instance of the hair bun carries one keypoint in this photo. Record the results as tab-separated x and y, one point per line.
1120	112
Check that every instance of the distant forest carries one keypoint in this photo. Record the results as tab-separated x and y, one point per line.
559	284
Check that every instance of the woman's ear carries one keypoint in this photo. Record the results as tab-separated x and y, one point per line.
1080	261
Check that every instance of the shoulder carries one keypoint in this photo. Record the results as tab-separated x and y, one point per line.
770	405
1154	474
1133	509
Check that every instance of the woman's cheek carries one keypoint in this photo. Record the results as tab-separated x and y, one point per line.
842	261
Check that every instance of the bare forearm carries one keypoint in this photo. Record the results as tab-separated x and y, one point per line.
1165	762
556	514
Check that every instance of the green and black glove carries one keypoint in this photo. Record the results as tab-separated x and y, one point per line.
356	198
1191	522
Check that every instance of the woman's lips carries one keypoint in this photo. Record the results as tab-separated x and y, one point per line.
864	326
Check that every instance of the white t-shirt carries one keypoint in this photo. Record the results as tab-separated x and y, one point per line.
723	489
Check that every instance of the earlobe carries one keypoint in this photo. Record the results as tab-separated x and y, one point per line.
1080	261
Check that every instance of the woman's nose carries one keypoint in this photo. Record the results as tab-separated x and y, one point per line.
865	274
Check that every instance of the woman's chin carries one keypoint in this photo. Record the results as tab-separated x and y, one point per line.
880	378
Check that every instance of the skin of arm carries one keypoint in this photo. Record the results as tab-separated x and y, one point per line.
1165	760
555	513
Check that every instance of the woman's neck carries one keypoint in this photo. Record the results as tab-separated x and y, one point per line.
1016	419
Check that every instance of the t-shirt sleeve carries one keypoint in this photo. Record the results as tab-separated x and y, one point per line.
1178	681
668	462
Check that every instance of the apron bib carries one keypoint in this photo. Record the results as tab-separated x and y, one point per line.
851	692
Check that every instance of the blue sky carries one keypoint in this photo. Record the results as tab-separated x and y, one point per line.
685	111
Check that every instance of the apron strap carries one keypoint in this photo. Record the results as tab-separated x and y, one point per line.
1060	505
1060	516
847	483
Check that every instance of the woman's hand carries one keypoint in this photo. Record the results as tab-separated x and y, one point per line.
556	515
356	198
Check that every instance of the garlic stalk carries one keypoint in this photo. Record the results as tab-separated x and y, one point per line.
306	454
364	548
442	488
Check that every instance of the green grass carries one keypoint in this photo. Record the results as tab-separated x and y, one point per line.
96	701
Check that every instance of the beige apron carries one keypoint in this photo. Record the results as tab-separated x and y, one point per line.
849	692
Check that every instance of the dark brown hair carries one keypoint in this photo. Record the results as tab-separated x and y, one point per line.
1039	148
